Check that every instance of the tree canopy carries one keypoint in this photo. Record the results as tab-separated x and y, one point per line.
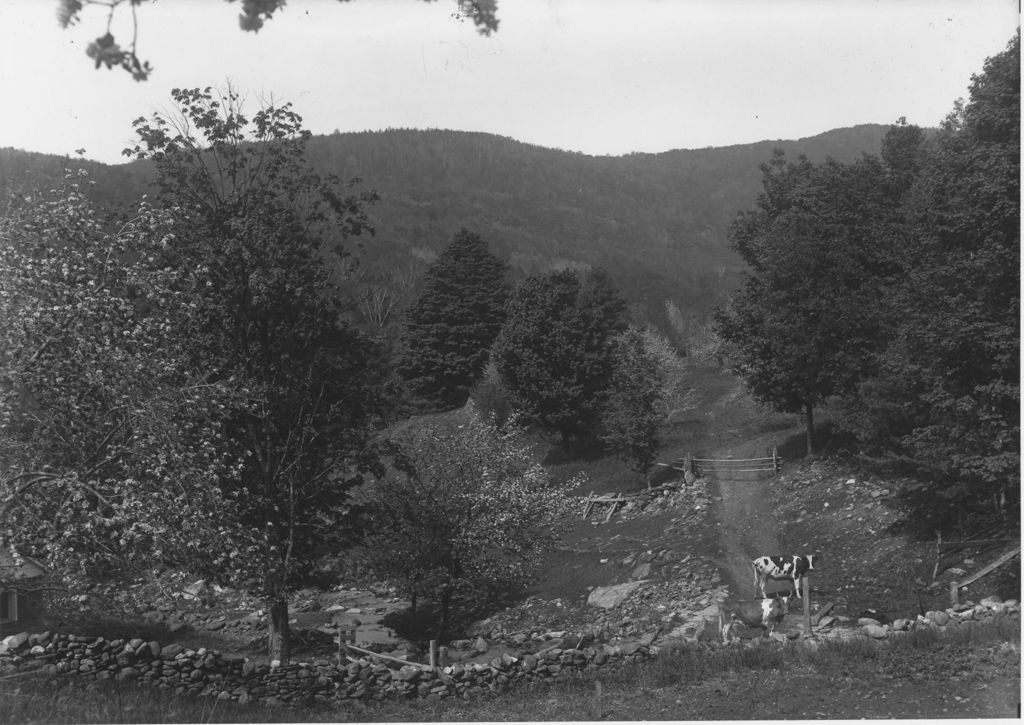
806	321
947	393
892	287
554	352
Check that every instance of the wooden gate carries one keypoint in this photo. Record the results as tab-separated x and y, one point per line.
728	467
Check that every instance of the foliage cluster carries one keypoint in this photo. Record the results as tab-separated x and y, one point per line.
891	287
187	382
105	51
554	351
463	515
111	436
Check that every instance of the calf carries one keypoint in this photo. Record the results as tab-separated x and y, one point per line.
764	613
781	567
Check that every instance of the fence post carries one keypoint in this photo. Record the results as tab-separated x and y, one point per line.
433	654
954	594
806	596
775	459
346	634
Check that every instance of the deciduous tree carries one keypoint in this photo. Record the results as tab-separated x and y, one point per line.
948	393
257	227
632	416
806	321
555	350
112	446
466	512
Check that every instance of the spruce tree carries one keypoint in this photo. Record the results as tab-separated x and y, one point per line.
450	327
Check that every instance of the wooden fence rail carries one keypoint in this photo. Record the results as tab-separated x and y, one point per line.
955	587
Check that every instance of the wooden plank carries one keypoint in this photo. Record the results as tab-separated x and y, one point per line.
389	658
973	542
731	460
995	564
822	612
672	466
611	512
590	505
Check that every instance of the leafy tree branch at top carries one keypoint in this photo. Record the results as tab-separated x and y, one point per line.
107	52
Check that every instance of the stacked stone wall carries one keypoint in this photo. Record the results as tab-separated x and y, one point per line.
231	677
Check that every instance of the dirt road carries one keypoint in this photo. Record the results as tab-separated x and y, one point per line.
742	505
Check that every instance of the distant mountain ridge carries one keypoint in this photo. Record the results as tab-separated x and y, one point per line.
657	222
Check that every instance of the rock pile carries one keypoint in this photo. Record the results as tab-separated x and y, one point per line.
962	615
688	498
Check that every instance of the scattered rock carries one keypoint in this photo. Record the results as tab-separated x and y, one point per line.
876	631
612	596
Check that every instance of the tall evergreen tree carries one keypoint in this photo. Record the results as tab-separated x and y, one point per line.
555	351
450	327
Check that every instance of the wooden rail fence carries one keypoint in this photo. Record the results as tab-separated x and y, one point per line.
719	466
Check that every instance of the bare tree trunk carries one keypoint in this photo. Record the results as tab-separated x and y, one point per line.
809	413
278	634
442	629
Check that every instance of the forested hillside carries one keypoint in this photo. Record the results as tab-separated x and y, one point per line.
657	222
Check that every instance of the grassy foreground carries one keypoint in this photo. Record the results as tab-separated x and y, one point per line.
925	675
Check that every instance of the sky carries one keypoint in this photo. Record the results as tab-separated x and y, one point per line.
594	76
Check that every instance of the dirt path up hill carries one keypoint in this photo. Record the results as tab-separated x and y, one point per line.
748	527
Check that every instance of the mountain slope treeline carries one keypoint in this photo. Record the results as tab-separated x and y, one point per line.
657	222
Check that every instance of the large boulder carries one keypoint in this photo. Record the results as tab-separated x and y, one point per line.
612	596
8	644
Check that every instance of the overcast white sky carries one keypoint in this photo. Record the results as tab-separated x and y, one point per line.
597	76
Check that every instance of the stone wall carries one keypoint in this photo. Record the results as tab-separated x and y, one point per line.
232	677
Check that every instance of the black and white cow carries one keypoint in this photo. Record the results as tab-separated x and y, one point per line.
793	568
764	613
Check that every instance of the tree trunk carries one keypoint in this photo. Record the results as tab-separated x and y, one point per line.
809	413
278	639
446	600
